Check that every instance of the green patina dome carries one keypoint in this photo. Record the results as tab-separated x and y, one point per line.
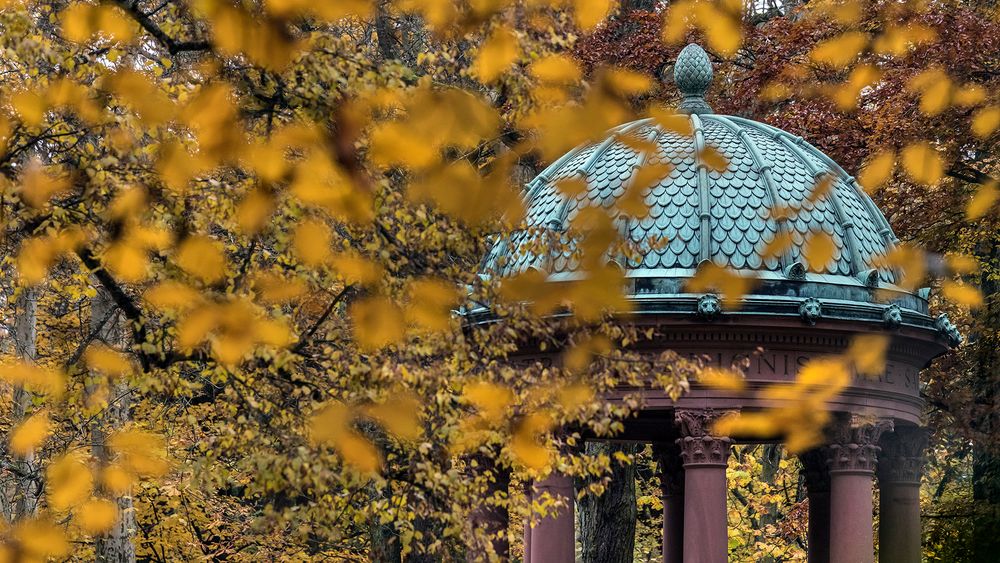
726	217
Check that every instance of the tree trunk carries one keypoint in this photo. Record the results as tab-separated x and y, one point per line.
770	463
27	471
607	522
116	545
986	458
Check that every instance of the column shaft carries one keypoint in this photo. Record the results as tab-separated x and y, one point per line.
851	537
672	490
899	523
706	538
853	458
900	466
819	527
704	456
817	480
553	537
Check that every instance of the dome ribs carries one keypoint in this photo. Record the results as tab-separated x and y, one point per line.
764	168
794	144
704	207
631	224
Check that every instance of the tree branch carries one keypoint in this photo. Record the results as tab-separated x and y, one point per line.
145	21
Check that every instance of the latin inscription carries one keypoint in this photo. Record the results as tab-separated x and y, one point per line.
783	366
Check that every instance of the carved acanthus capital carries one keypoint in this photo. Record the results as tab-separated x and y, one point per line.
902	456
855	446
698	445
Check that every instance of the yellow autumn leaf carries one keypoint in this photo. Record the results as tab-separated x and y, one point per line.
355	268
985	121
116	479
96	516
40	539
202	257
923	163
377	322
777	246
983	200
670	120
431	304
142	453
69	481
173	295
961	264
28	435
713	159
254	211
496	55
910	260
311	242
962	294
525	442
38	186
399	414
490	399
575	395
818	251
877	170
589	13
724	379
723	31
100	357
332	425
36	378
868	352
626	82
571	186
273	287
556	69
841	50
969	95
633	201
712	277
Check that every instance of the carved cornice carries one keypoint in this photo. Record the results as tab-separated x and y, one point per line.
902	456
697	445
854	446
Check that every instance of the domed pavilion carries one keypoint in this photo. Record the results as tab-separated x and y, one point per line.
727	217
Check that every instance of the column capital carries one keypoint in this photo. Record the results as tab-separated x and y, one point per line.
854	446
902	456
698	447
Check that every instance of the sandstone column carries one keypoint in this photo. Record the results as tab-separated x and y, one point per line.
672	487
552	539
852	469
817	478
900	467
704	458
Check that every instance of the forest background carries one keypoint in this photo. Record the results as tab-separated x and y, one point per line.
233	243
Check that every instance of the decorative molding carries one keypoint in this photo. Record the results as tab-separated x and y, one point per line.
698	447
854	446
811	310
902	456
709	306
892	317
947	330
